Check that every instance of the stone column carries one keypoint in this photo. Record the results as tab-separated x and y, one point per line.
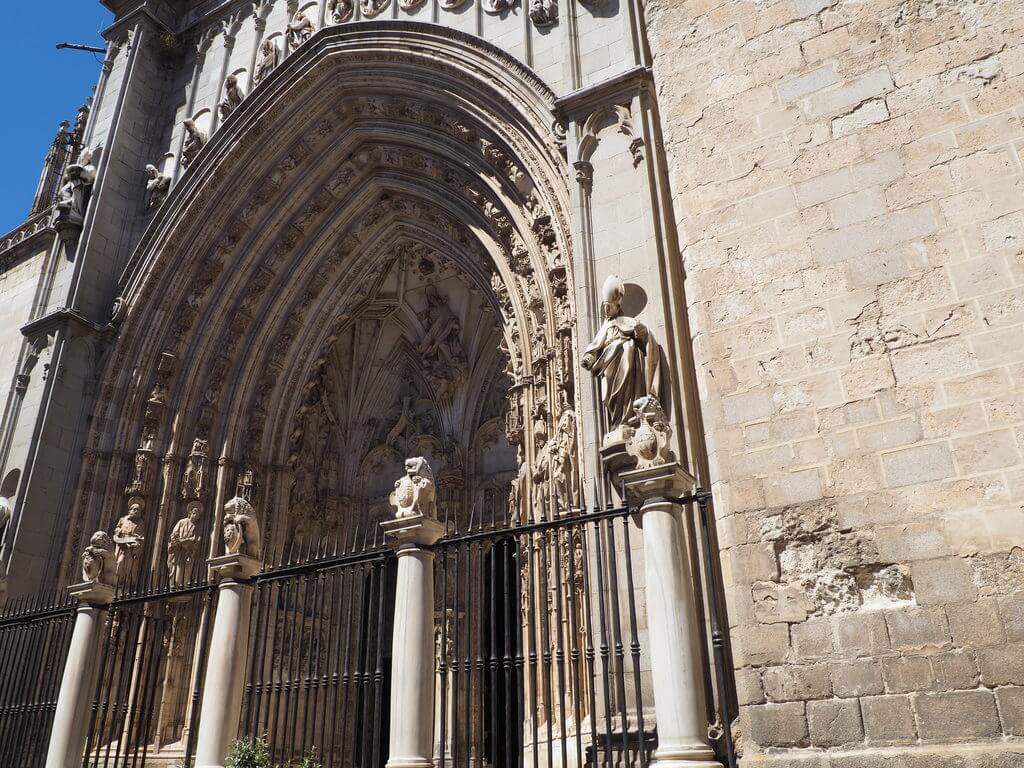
225	666
412	668
671	619
71	717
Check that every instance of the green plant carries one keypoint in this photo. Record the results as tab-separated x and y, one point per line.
248	754
308	761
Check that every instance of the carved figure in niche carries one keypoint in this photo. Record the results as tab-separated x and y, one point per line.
627	357
339	11
410	5
6	513
564	478
73	196
519	491
414	493
129	536
193	484
300	29
649	434
441	347
158	184
141	468
497	6
232	96
96	557
371	8
544	13
182	546
195	140
239	530
270	57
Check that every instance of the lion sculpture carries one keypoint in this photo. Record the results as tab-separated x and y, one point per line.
95	557
414	493
240	531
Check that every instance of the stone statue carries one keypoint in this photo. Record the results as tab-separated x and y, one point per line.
649	434
300	29
627	356
73	196
339	11
544	13
195	140
158	184
371	8
564	463
441	346
519	492
182	546
414	493
95	558
240	531
232	96
6	513
193	484
270	57
129	536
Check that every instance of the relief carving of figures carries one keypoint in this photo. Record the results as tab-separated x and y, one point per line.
129	536
158	184
239	529
300	29
414	493
182	546
232	96
195	140
628	359
96	558
142	466
372	8
73	196
519	492
544	13
452	5
339	11
270	57
564	477
194	482
410	5
441	347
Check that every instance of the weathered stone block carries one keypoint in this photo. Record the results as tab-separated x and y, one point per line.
797	683
759	645
1011	610
775	603
1011	710
907	674
920	464
778	725
812	639
1002	665
956	670
835	723
860	634
754	562
748	686
888	719
943	580
975	624
857	678
956	716
918	629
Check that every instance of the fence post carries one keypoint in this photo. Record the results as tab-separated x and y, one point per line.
411	741
225	665
71	715
671	619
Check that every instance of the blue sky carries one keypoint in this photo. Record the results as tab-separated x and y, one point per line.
40	87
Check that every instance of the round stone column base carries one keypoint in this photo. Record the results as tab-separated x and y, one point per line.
685	756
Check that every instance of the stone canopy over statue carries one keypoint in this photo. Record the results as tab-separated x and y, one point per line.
628	359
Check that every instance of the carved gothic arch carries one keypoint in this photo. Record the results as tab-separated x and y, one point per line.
265	249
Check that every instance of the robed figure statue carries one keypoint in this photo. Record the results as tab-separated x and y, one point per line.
627	356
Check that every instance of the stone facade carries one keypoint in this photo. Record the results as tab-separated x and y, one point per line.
322	237
848	189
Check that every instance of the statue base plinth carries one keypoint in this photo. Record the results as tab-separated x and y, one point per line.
235	566
416	530
613	453
92	592
68	232
665	481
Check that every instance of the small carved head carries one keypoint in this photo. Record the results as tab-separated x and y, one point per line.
152	171
612	293
418	467
193	510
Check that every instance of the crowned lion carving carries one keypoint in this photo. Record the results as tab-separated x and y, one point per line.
95	557
240	531
414	493
649	434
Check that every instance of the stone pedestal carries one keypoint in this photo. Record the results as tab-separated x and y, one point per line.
71	716
226	663
671	618
412	664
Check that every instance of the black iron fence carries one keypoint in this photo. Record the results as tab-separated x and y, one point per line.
149	679
35	635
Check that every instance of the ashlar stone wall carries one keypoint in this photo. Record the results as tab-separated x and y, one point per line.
848	184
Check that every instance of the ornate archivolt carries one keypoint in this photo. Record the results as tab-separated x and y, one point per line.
268	257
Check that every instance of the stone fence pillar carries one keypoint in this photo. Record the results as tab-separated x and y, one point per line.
71	716
226	663
412	667
671	618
